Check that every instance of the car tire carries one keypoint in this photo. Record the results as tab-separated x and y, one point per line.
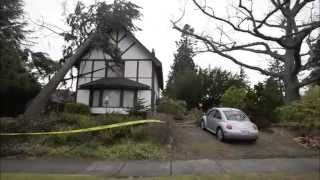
202	125
253	141
220	135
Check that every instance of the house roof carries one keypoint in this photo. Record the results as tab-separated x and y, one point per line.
115	83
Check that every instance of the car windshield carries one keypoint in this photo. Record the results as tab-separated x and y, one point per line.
235	115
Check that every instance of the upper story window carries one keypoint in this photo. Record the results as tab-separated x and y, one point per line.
115	69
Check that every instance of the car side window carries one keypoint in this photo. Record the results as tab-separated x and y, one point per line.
211	114
217	115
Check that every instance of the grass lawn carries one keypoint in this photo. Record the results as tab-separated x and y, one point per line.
247	176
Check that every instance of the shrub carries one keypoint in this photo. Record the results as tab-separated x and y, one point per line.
234	97
139	109
175	107
305	112
77	108
259	103
195	115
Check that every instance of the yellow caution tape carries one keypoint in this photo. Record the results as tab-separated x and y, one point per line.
97	128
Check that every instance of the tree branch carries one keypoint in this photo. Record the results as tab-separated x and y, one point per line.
211	47
236	28
310	80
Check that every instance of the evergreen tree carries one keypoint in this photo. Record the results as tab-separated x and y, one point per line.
139	108
20	69
18	86
183	62
214	84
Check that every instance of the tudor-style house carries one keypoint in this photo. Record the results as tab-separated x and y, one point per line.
111	86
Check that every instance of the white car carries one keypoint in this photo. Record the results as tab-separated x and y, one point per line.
229	123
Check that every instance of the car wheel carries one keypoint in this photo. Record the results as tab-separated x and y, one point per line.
220	134
253	141
202	125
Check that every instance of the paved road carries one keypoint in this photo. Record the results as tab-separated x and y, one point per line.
162	168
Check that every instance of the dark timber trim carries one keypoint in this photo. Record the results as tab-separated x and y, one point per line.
143	59
100	97
137	72
77	83
122	38
90	97
106	69
92	70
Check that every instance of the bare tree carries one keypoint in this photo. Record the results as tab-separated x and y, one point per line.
293	33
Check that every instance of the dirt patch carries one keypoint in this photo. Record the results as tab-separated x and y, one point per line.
194	143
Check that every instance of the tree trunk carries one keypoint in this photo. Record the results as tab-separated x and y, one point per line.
291	82
39	102
291	89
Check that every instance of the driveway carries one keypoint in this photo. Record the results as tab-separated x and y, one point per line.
195	143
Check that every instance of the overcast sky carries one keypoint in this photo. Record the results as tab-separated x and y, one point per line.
156	31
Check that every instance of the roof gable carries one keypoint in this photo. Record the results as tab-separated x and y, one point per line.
131	48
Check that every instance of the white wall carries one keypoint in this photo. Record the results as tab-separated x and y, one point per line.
98	65
145	68
156	85
83	96
130	69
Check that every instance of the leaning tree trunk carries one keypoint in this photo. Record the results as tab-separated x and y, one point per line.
39	102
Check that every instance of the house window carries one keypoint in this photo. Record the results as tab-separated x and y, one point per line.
111	98
128	98
96	98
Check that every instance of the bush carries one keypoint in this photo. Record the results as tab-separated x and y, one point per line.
234	97
139	109
305	112
176	108
195	115
259	103
77	108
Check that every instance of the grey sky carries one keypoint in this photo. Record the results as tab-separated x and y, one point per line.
156	31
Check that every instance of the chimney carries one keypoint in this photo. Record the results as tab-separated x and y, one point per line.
152	52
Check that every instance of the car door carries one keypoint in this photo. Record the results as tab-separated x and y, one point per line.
217	118
210	119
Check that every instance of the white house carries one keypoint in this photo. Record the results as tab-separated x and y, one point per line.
111	86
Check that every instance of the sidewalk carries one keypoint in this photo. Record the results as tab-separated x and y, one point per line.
162	168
